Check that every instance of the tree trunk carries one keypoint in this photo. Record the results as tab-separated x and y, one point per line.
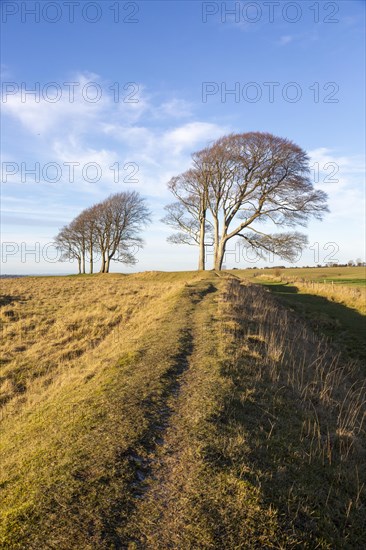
107	265
216	242
102	268
91	259
79	265
83	262
202	259
219	257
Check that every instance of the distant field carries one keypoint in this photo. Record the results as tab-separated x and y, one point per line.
178	410
349	276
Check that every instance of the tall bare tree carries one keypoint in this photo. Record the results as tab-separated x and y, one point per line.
125	215
189	214
85	229
254	181
265	183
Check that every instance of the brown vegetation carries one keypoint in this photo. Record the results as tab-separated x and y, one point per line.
182	410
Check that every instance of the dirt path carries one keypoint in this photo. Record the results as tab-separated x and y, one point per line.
165	474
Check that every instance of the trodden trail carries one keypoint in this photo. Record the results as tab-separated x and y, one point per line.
158	494
187	495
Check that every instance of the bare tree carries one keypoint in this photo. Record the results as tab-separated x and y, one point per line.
125	215
266	182
88	221
78	228
255	181
78	239
189	214
101	231
110	228
67	242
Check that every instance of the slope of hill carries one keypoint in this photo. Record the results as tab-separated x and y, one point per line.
174	410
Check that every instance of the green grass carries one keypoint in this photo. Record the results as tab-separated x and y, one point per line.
349	276
347	282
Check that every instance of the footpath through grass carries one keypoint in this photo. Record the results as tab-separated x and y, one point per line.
174	411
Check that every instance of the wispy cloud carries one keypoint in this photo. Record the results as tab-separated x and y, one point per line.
147	137
286	39
175	108
343	178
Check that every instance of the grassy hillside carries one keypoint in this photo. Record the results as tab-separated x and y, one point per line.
332	300
174	410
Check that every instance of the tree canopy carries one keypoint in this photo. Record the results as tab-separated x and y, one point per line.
109	231
249	186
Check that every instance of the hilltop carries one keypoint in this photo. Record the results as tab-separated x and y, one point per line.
175	410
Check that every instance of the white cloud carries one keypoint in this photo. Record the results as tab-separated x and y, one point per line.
175	108
40	116
191	134
285	39
76	103
145	135
343	179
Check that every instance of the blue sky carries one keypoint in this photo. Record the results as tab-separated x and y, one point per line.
176	60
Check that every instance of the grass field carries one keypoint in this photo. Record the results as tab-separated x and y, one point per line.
332	300
177	410
349	276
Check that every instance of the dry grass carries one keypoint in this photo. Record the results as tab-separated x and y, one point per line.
67	427
350	296
304	411
334	311
50	325
179	410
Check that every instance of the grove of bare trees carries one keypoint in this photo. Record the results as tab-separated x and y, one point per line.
243	186
108	231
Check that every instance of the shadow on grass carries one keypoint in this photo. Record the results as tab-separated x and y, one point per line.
9	299
299	474
344	326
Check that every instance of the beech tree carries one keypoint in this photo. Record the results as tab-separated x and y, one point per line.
255	181
78	229
120	218
110	229
89	224
188	216
71	248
